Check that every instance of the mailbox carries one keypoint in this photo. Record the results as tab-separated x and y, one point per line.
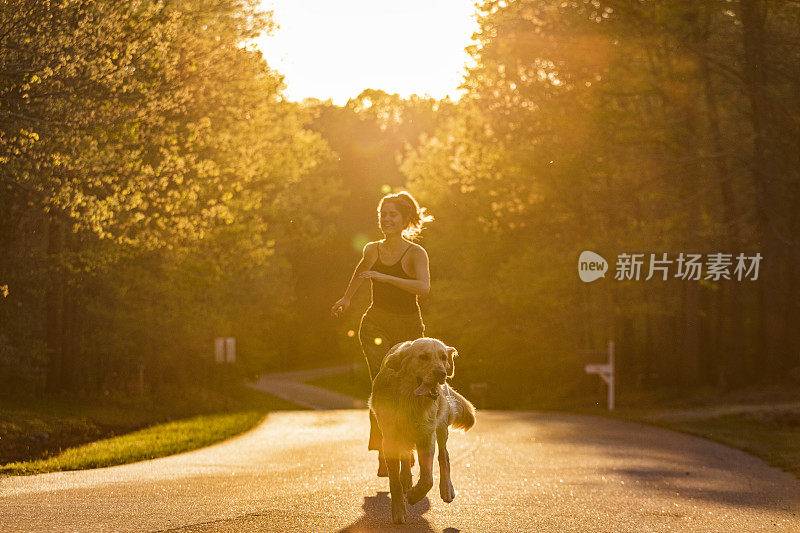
606	373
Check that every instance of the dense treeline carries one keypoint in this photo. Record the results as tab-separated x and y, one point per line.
158	191
153	181
620	127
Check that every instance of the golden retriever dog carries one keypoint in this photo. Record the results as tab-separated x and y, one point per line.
415	408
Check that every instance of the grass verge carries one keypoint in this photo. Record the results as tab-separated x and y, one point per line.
156	441
771	433
55	434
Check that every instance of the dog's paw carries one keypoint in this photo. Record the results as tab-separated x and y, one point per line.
447	492
418	492
399	510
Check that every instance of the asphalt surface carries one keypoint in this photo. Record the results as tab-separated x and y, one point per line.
515	471
290	386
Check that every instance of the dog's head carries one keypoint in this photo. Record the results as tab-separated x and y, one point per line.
427	360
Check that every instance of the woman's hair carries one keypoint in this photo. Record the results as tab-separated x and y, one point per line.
414	216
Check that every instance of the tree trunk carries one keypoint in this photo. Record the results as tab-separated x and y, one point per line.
732	339
691	333
772	336
54	302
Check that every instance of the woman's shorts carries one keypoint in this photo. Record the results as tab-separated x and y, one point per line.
380	330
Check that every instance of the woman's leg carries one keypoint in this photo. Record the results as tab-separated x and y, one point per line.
374	344
407	328
377	333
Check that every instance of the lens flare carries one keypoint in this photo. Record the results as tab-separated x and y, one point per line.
359	241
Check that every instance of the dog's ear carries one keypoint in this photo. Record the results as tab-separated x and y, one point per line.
394	359
452	353
395	347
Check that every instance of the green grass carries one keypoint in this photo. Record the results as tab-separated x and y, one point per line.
761	420
61	433
156	441
777	445
772	435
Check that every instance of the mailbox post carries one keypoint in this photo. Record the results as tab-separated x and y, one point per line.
606	373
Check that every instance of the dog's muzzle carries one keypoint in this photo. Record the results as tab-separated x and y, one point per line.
425	389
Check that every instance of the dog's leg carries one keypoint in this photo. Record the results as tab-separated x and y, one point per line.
382	471
396	486
446	489
405	470
376	443
425	451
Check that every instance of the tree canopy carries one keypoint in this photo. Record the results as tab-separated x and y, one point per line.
158	191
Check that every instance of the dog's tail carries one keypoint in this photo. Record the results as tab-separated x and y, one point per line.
462	412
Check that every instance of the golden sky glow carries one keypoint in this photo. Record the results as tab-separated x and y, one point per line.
335	49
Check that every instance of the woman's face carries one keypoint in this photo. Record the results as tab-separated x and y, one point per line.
391	220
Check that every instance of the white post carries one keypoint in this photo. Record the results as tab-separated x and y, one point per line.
230	349
606	372
219	350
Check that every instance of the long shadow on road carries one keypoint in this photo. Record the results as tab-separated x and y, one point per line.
378	516
657	461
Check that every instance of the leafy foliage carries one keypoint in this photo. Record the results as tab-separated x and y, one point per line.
155	179
158	191
638	127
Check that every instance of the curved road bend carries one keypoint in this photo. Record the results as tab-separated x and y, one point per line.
291	386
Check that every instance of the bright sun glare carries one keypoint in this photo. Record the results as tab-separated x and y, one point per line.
337	49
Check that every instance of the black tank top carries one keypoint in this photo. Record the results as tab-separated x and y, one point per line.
391	298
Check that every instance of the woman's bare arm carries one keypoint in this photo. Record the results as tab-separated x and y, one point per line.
368	257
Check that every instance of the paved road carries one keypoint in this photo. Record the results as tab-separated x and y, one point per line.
291	387
310	471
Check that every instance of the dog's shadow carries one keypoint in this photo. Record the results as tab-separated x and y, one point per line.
378	516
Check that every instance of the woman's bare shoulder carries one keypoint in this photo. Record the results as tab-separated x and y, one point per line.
371	249
418	250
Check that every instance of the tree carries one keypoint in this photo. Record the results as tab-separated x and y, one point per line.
621	127
138	138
